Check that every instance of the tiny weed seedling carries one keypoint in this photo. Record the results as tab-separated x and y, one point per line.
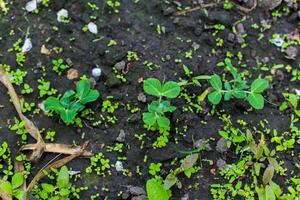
157	109
237	88
12	189
72	102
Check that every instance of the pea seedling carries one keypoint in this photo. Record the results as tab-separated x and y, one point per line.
72	102
157	109
237	88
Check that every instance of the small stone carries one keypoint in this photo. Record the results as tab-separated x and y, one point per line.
31	6
142	97
221	164
119	166
27	46
280	75
265	60
240	28
168	57
199	143
62	15
169	11
195	46
121	136
93	28
198	30
120	65
222	145
291	52
69	61
44	50
141	197
239	38
72	74
176	20
136	191
185	197
125	195
96	72
271	4
231	37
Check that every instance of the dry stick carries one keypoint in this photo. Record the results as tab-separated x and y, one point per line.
183	12
244	9
43	172
40	146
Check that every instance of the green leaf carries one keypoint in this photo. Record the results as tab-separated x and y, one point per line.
215	82
239	94
256	100
17	180
53	103
63	178
153	87
268	174
155	190
170	89
68	116
67	98
6	187
270	195
149	118
163	122
18	194
215	97
259	85
48	187
64	192
90	97
82	88
276	189
170	180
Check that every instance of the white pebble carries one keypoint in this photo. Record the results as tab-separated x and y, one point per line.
62	14
96	72
119	166
31	6
278	41
27	45
93	28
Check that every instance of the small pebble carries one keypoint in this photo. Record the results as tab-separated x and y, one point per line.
142	97
93	28
62	14
31	6
119	166
96	72
27	45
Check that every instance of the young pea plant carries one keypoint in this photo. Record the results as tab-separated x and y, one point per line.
71	103
237	88
155	117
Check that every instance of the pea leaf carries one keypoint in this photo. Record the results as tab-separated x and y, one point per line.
239	94
17	180
256	100
53	103
149	118
68	115
259	85
90	97
67	98
155	190
215	82
170	89
215	97
63	178
82	88
153	87
163	121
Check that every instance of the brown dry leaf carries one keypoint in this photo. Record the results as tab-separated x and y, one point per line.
59	148
43	172
44	50
72	74
30	127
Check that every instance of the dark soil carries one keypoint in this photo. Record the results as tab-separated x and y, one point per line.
134	30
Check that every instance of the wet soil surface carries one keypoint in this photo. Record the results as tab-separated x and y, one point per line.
134	29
